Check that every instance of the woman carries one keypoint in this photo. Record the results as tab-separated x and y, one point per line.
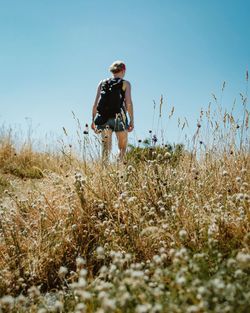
108	115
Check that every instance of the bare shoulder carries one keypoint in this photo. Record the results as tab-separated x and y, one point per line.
128	84
99	84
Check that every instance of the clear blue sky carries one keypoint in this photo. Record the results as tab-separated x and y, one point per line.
53	54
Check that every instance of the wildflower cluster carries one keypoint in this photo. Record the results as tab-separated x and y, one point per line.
155	234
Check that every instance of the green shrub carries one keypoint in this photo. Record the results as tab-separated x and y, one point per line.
162	154
4	184
24	172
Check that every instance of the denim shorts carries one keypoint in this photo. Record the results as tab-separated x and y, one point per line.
118	123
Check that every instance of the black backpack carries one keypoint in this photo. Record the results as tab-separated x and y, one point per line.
112	98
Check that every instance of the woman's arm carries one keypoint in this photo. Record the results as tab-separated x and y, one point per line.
129	105
98	93
94	109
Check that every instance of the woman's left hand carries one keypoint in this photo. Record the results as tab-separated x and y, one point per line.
130	127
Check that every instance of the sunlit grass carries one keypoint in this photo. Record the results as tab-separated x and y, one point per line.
165	231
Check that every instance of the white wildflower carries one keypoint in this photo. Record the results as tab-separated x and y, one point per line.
62	272
33	292
82	282
108	304
101	206
238	273
218	284
102	295
181	280
243	259
85	295
7	302
131	168
125	297
183	234
104	270
58	306
131	200
230	262
193	309
83	273
165	226
80	262
240	197
137	274
21	300
201	290
143	308
157	308
157	259
80	307
100	252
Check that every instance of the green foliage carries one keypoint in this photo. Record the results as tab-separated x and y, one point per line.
23	171
169	154
4	184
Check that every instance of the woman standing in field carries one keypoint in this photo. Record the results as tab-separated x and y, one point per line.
113	101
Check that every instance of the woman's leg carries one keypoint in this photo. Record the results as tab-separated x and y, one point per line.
106	144
122	137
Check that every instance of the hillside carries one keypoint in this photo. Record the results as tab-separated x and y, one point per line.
148	235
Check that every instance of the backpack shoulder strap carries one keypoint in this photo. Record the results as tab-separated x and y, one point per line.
124	85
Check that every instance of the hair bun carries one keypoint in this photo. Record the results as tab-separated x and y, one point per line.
117	67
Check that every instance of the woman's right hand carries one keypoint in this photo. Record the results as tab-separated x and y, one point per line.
93	127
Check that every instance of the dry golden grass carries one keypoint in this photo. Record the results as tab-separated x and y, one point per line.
69	209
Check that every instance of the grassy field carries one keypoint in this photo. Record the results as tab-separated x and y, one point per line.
166	231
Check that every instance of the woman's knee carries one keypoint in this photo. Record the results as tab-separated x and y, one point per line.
122	140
